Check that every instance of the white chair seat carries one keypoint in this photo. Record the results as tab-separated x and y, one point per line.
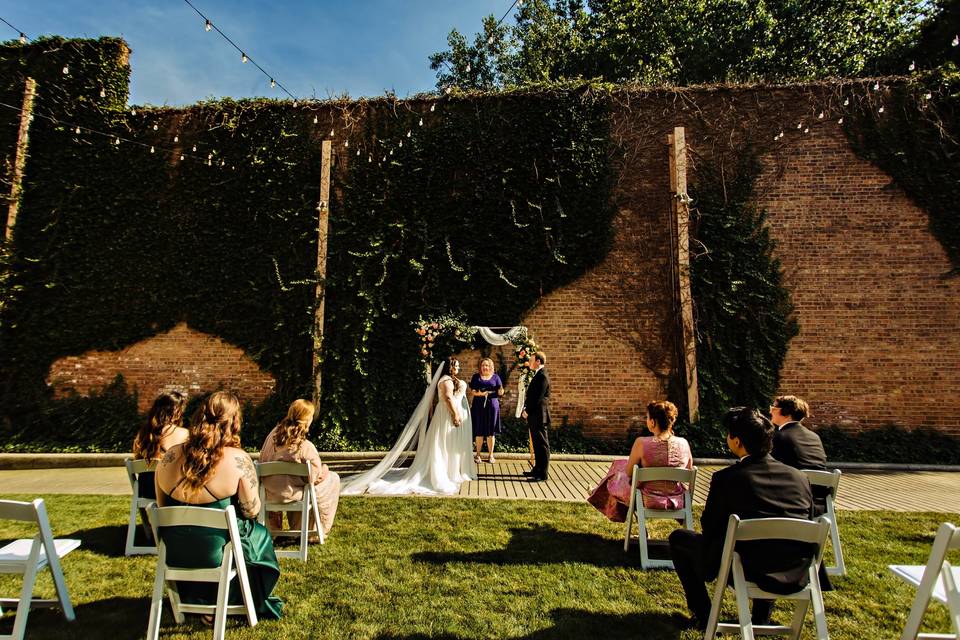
937	580
814	533
29	556
637	511
306	506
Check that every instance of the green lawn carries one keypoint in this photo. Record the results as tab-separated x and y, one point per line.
451	568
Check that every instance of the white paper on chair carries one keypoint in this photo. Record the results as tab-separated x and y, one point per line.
19	550
913	573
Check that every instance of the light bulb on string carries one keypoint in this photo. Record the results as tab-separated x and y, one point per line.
846	101
346	144
181	156
409	133
490	40
820	116
194	148
369	158
840	121
927	95
913	65
223	163
421	122
152	150
66	70
433	108
176	138
358	153
273	83
876	86
155	127
77	131
384	159
331	133
116	141
955	41
880	110
23	38
243	58
133	112
103	93
209	156
447	90
400	144
391	152
207	26
806	129
316	120
800	125
294	104
468	67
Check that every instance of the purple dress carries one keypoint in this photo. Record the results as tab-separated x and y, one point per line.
485	412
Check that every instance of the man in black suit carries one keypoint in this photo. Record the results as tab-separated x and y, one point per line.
536	411
758	486
796	446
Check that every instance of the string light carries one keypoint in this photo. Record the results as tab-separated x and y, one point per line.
358	153
880	110
876	86
447	89
103	93
346	144
155	127
433	108
806	129
409	133
316	120
209	25
800	125
421	122
77	131
846	101
273	83
133	112
820	116
913	65
176	138
927	95
116	140
152	150
23	38
840	121
468	67
955	41
194	147
400	144
66	70
331	133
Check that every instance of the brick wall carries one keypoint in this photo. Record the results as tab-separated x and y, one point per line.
879	326
180	359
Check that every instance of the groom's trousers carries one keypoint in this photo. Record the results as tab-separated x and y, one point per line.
541	445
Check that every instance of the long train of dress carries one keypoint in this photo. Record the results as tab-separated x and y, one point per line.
443	459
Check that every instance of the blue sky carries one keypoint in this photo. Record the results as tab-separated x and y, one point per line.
318	48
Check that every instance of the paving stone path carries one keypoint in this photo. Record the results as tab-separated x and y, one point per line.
569	481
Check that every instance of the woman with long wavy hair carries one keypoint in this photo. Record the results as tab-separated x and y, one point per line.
288	443
162	430
211	470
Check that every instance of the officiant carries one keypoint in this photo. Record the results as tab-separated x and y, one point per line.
485	392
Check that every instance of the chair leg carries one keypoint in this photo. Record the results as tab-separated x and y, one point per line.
304	527
953	598
816	599
56	572
223	593
26	595
630	513
131	526
743	602
642	537
316	517
799	614
156	601
839	569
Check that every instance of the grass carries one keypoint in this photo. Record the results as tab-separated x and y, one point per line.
406	568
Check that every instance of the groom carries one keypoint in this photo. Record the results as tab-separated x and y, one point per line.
536	411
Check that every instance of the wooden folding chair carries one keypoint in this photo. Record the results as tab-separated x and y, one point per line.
937	580
306	505
29	556
232	565
636	510
830	480
139	505
769	529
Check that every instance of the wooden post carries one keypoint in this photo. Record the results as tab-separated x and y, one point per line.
681	262
20	157
322	223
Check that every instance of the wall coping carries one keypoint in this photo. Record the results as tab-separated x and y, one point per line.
12	461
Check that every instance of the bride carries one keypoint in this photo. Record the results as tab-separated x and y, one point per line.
444	453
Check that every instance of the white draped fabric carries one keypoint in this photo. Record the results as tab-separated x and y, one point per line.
444	452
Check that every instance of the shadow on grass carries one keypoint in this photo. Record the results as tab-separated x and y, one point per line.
116	618
576	623
543	545
106	541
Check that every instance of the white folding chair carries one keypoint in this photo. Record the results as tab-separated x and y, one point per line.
232	565
937	580
636	510
138	504
830	480
29	556
768	529
306	505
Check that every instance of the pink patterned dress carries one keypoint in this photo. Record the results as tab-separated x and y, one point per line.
612	496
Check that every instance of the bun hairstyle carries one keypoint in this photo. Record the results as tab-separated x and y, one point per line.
292	430
167	411
447	368
215	425
664	413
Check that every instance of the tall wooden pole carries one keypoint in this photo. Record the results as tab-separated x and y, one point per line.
322	223
20	157
680	222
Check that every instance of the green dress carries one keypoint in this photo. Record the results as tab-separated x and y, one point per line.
200	547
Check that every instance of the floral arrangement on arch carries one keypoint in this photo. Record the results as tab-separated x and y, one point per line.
523	348
431	330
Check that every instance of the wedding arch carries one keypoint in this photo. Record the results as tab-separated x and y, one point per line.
432	331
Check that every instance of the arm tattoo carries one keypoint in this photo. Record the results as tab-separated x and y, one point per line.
247	470
168	457
249	508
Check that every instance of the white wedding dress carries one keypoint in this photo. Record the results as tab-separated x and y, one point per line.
444	452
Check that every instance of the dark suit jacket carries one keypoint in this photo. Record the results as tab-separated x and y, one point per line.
537	401
796	446
759	487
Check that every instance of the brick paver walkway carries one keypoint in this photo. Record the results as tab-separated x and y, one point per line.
569	481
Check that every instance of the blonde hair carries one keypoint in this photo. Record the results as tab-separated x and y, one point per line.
292	430
215	425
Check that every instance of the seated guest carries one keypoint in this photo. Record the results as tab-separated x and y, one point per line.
796	446
211	470
662	449
758	486
288	443
162	430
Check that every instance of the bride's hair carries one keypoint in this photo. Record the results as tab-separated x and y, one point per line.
447	367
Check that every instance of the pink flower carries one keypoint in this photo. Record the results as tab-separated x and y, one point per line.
522	353
421	331
435	325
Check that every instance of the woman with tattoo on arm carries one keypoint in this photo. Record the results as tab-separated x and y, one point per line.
211	470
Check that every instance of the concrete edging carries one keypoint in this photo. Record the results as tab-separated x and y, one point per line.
11	461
